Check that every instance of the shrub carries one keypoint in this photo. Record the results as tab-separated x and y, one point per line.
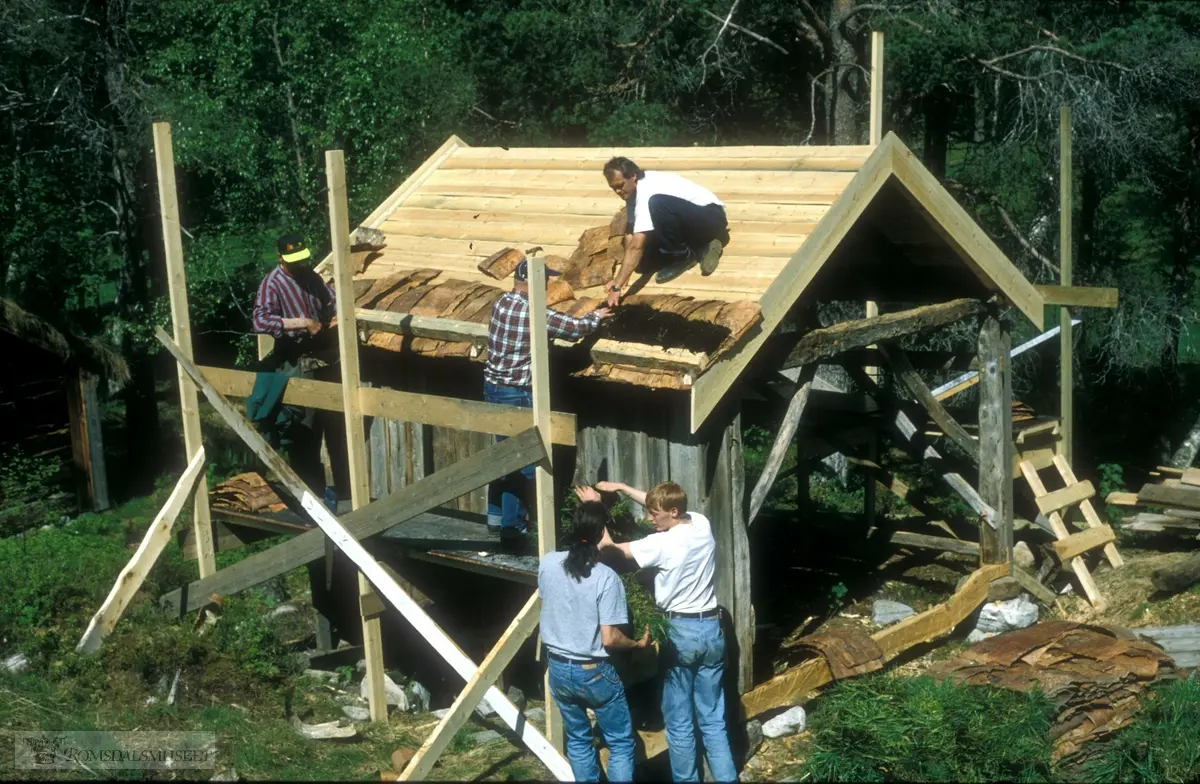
884	728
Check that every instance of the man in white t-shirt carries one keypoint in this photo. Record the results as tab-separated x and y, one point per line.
684	553
686	223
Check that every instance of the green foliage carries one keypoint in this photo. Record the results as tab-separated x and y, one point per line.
837	596
245	634
45	581
1160	745
885	728
26	479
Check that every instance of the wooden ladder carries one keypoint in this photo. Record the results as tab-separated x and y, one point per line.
1070	546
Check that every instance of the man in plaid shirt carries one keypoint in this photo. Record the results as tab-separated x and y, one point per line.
507	379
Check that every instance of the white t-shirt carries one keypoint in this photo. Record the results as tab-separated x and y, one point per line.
653	183
685	557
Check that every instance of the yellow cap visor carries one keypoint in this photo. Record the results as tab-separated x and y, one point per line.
299	255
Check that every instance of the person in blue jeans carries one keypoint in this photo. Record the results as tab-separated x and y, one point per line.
684	553
506	380
583	606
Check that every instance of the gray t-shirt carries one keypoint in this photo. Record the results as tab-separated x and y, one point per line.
573	610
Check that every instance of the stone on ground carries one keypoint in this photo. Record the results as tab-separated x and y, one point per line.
395	694
356	712
486	736
516	697
754	737
1003	588
536	716
16	664
1000	617
790	722
418	696
885	612
1023	556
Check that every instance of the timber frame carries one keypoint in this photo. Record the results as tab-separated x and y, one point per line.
692	435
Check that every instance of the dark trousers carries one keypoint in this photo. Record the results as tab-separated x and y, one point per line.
507	496
683	230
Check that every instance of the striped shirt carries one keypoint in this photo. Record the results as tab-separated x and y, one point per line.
281	296
509	363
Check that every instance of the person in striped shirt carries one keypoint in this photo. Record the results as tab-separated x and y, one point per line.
507	380
295	306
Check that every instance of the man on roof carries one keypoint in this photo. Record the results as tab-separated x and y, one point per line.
669	216
508	378
294	306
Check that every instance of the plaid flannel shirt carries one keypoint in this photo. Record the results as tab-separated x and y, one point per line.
509	362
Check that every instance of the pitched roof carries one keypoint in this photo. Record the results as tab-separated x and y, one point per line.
891	229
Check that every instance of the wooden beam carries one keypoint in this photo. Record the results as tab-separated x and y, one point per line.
402	505
189	410
1066	374
347	541
1061	532
909	377
1031	584
783	439
1079	543
641	355
791	686
473	415
943	543
1079	296
1162	495
489	671
547	523
424	326
1067	496
356	451
830	341
134	574
876	128
921	360
1121	498
995	439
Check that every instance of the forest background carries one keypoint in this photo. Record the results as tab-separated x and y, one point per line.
257	90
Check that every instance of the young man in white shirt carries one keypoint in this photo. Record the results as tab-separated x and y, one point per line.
684	553
685	221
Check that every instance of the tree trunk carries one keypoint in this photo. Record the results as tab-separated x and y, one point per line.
937	115
117	111
842	114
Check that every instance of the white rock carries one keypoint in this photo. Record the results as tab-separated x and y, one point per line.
1023	556
330	730
790	722
978	636
395	694
1006	616
356	713
885	612
418	696
322	675
225	775
16	664
487	736
440	713
282	610
484	711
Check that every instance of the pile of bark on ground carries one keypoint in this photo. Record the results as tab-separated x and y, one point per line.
248	493
669	321
1096	676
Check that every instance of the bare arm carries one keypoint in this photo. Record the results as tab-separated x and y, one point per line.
614	639
634	245
606	543
639	496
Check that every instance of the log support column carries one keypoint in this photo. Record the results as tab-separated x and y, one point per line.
995	439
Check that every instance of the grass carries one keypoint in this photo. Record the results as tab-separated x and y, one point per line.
880	728
1161	745
238	678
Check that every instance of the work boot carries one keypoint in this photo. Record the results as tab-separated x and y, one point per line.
711	257
667	274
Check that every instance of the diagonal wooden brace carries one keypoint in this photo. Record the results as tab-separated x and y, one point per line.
346	542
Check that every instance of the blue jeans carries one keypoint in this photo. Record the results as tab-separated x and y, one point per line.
577	687
506	496
693	696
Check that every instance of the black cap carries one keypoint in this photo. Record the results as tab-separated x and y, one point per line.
292	248
522	272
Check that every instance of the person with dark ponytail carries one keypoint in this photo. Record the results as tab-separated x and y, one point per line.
583	606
